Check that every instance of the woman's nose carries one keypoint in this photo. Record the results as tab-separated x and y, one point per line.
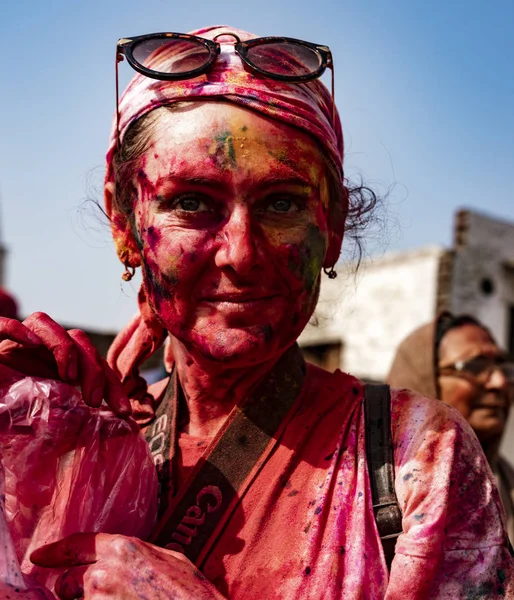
497	379
237	249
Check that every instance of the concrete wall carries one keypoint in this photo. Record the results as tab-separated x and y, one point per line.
371	312
484	250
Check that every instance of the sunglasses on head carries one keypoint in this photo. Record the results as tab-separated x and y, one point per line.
180	56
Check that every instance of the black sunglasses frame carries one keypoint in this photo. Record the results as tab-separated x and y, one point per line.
125	49
126	46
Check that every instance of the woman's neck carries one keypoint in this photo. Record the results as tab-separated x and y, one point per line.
211	390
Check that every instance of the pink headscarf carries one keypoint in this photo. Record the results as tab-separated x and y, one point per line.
307	106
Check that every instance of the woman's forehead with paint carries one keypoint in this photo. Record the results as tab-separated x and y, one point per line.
307	106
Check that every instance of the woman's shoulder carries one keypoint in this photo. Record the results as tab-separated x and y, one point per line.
414	416
438	460
333	387
450	505
321	378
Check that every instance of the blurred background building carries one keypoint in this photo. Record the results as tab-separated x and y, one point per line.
362	316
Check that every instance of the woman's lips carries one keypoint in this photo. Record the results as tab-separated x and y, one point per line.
239	302
492	405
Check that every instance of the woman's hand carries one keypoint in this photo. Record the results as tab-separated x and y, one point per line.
102	566
40	347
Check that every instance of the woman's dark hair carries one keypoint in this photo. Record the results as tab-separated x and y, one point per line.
355	203
447	321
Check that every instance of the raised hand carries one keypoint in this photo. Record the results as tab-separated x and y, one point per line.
114	566
40	347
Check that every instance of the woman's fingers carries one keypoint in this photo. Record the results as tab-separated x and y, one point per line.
72	551
70	584
11	329
97	380
111	566
86	549
24	351
39	346
57	340
91	375
115	395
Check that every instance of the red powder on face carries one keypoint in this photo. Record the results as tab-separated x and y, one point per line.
231	231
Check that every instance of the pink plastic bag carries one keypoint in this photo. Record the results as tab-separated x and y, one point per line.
13	584
69	468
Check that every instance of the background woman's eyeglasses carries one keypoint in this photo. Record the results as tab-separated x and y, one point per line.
479	369
180	56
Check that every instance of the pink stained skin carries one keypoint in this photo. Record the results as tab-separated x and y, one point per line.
40	347
114	566
232	231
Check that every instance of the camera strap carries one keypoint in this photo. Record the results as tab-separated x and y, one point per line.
380	458
192	518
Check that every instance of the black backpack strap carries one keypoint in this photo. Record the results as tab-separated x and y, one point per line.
379	451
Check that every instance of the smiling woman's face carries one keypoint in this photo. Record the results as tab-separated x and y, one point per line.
485	407
231	225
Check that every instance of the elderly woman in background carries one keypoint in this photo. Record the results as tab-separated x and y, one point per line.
225	185
456	359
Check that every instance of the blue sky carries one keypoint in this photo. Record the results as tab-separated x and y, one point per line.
425	91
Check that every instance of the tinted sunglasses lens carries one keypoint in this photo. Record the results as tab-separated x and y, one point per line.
286	59
478	367
508	371
174	56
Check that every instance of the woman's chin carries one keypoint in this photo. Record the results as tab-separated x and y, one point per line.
240	347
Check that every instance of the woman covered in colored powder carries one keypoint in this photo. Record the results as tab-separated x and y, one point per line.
225	185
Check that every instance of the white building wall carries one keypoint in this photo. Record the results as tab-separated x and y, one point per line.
486	252
371	312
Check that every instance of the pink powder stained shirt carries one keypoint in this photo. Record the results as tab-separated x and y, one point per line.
305	528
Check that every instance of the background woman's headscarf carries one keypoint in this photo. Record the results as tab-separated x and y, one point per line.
307	106
414	363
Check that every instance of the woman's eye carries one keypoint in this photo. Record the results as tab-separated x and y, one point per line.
193	209
281	205
189	204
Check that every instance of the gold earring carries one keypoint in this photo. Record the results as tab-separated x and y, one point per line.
129	272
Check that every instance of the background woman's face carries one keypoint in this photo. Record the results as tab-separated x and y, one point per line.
486	407
231	220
